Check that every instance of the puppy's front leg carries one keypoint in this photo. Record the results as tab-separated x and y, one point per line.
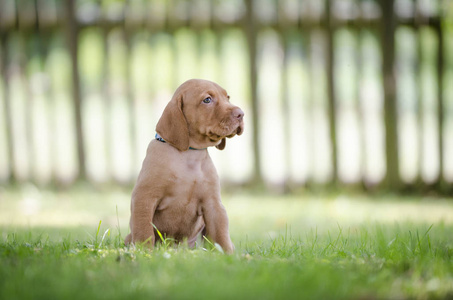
216	222
142	212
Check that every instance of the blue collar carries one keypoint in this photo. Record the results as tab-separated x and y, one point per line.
160	139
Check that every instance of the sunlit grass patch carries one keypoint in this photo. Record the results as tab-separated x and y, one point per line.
348	247
381	261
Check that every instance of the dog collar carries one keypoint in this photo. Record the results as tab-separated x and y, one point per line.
160	139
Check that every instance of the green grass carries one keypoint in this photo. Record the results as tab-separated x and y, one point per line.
280	252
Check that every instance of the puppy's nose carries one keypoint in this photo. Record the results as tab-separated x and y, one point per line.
238	113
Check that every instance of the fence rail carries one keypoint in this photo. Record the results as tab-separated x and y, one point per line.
335	91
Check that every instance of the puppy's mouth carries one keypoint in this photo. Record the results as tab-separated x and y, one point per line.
224	131
237	131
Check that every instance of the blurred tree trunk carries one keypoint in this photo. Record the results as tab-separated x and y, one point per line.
359	107
42	48
285	34
311	95
331	96
251	33
72	33
130	96
419	102
286	108
107	109
30	105
440	103
11	157
392	179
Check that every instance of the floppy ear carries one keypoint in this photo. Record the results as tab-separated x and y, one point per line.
172	125
222	144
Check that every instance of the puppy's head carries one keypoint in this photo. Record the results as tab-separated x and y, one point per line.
200	115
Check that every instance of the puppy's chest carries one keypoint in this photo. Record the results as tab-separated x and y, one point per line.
189	187
186	199
197	172
196	181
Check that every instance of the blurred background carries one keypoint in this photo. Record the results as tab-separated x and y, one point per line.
335	93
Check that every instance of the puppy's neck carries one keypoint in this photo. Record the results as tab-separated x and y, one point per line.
160	139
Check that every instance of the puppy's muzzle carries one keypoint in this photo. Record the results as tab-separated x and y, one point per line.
238	115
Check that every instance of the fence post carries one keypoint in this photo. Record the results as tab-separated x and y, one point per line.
72	34
251	34
392	179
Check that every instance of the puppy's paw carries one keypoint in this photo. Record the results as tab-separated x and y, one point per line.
128	239
229	248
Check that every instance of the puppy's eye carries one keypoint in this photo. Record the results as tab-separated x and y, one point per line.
207	100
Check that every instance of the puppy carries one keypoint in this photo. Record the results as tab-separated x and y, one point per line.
178	188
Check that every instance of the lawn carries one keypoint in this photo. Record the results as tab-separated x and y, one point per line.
68	244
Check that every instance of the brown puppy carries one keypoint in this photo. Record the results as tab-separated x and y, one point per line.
178	188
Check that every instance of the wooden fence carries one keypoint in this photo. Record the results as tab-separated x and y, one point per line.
335	92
